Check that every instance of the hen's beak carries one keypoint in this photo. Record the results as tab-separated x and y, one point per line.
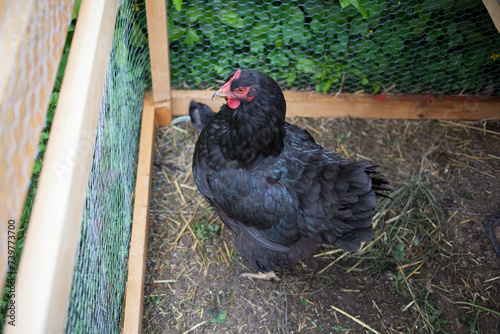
220	93
224	91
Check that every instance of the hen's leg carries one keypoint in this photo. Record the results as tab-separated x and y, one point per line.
265	276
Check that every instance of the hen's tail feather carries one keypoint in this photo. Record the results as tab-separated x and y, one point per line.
378	182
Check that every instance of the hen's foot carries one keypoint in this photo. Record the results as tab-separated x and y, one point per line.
265	276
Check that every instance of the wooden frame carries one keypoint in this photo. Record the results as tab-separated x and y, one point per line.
46	269
310	104
17	30
170	103
47	265
160	64
134	297
493	7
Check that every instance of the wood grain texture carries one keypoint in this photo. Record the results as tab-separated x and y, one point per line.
310	104
32	38
159	55
47	265
133	309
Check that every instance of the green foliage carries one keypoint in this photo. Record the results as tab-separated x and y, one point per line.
356	4
177	4
206	231
419	45
339	329
470	323
399	252
218	317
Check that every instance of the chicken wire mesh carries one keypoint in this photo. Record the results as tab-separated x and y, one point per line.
25	96
101	269
32	35
192	282
417	46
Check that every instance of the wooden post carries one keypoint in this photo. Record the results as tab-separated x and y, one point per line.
134	298
47	265
32	37
493	7
159	56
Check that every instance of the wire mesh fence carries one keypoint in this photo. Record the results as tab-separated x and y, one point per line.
32	36
404	47
99	281
192	283
25	93
411	47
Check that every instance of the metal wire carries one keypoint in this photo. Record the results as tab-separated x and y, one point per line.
101	271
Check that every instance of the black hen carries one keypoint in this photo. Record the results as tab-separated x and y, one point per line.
278	191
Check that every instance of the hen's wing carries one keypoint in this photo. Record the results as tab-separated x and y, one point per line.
305	191
259	202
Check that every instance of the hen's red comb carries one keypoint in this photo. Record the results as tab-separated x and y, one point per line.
227	85
236	75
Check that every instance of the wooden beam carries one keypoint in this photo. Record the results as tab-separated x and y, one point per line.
134	297
32	37
47	265
493	7
309	104
160	64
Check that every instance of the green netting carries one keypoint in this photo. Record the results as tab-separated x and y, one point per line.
101	270
413	46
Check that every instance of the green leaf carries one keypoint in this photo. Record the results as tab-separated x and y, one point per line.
260	30
343	40
54	98
231	18
37	167
293	15
138	38
344	3
301	36
279	41
376	88
305	65
44	135
177	4
358	26
452	29
395	45
257	46
194	13
76	9
41	148
219	317
433	35
355	4
399	253
323	88
191	37
364	81
175	33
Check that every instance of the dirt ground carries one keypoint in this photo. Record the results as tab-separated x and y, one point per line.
427	270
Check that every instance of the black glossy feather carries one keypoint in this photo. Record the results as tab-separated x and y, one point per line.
200	115
278	191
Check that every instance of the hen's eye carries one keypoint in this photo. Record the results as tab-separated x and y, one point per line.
239	90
